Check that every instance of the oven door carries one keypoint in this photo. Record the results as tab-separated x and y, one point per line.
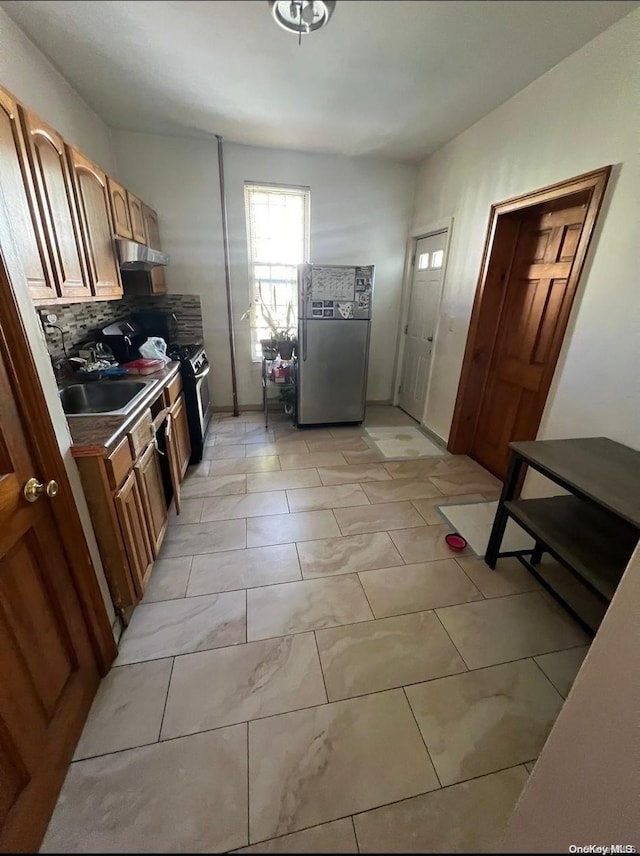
203	399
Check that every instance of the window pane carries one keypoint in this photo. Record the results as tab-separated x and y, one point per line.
436	259
278	238
423	261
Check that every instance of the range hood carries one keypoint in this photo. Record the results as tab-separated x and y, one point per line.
135	256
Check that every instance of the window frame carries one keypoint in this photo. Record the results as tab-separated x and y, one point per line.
272	187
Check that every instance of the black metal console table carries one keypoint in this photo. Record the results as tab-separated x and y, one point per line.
592	531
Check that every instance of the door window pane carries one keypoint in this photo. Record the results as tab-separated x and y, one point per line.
436	259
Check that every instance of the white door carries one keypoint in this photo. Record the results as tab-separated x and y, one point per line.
424	300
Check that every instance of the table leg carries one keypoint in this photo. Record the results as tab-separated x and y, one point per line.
538	552
500	521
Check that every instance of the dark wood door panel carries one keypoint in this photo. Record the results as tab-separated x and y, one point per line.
48	670
530	318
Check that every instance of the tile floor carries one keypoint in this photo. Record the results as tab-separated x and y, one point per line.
312	670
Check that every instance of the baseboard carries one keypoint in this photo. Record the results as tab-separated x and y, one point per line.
243	408
437	439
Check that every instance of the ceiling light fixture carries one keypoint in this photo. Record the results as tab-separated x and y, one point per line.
302	16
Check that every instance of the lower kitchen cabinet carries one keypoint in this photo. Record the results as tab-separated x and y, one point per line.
133	524
149	479
181	435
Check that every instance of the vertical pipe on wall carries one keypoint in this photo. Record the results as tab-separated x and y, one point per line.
227	276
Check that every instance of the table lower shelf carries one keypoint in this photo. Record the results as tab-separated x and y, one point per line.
591	542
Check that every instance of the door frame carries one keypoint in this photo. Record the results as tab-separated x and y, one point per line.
407	283
46	454
487	305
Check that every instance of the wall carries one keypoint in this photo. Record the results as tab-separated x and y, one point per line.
360	210
584	786
31	78
579	116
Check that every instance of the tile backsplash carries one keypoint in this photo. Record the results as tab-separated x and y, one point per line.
79	320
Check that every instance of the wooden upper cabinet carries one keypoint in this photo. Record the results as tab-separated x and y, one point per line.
120	209
158	281
137	219
25	224
92	194
55	198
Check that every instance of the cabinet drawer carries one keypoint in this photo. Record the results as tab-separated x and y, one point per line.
173	390
118	465
141	434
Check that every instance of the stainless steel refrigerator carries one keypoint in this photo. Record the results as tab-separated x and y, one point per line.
334	326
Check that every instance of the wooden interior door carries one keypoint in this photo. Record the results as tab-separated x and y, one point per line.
426	288
532	317
97	227
57	205
17	188
48	672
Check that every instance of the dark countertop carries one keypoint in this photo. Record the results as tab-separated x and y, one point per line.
98	435
597	468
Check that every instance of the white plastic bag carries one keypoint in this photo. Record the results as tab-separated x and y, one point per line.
154	348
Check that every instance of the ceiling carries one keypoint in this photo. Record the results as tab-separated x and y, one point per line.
388	78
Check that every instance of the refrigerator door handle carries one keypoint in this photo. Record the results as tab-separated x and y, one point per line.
304	339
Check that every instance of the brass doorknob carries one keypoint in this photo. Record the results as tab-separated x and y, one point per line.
34	489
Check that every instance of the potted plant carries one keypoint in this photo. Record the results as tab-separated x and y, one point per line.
283	339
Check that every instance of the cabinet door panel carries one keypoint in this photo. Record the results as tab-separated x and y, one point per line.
55	198
158	281
181	431
137	219
120	210
19	197
174	461
149	480
95	218
134	531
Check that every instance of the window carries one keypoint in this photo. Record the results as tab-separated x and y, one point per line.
278	241
436	259
423	261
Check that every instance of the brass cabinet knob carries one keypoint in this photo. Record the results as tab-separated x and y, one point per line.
34	489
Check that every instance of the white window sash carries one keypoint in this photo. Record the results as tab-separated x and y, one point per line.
273	292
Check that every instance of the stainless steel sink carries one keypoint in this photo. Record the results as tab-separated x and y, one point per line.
102	396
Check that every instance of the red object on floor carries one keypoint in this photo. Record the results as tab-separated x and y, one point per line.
455	541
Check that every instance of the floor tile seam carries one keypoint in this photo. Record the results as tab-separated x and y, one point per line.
435	612
301	579
246	735
298	632
496	596
185	595
355	834
166	699
401	686
246	722
422	738
365	595
542	672
324	679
